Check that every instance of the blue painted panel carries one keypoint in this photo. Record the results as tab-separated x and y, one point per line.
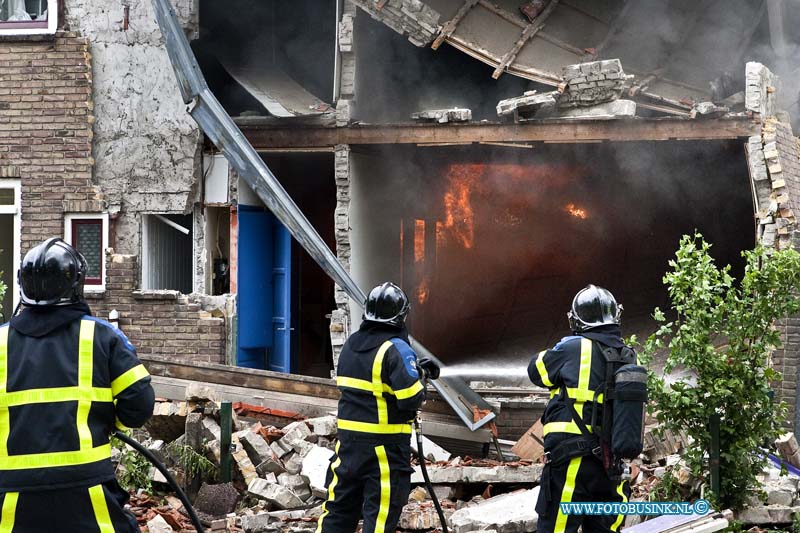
280	356
255	298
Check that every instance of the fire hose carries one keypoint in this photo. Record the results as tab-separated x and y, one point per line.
428	484
170	479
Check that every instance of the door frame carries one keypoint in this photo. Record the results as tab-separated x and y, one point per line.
16	185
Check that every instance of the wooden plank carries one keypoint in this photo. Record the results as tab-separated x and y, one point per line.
451	25
530	446
527	34
562	131
242	377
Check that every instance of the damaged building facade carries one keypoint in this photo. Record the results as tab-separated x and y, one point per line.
491	173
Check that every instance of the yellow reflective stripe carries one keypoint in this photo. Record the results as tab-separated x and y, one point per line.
367	427
566	494
55	459
56	394
408	392
578	395
620	518
565	427
363	384
542	369
377	383
386	489
354	383
85	370
586	364
128	378
100	507
9	512
5	419
331	488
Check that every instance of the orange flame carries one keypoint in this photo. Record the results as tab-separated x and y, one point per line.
423	291
459	215
577	212
419	241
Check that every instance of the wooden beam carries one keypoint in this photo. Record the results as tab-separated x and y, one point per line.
451	25
576	131
527	34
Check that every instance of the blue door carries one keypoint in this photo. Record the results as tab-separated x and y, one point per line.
264	291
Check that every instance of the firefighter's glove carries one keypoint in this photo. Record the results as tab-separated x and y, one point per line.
429	368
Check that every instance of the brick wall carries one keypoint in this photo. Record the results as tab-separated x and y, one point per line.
163	323
46	129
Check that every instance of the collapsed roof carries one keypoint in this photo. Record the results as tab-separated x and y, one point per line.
680	52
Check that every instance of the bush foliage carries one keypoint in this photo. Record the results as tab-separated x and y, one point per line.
723	331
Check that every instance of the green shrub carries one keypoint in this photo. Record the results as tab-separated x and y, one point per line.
723	330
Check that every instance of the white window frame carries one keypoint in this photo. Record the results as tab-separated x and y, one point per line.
52	23
16	185
68	218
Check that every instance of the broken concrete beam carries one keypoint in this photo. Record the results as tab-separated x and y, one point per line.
168	421
442	116
418	516
158	525
211	430
708	110
256	523
600	111
294	433
527	103
323	426
510	512
198	392
297	484
294	464
315	467
788	448
270	466
592	83
217	500
256	447
243	462
479	474
275	494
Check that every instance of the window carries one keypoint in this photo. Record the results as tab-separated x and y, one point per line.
167	253
28	17
88	233
9	243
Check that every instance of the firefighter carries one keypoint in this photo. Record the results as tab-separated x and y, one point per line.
382	386
574	469
67	379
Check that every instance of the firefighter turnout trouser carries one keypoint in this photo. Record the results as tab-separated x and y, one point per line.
97	509
582	479
366	476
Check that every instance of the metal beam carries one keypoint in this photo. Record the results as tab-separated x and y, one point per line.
574	131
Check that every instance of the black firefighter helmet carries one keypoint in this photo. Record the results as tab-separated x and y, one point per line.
52	273
593	306
388	304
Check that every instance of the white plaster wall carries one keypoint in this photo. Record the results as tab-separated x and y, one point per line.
146	146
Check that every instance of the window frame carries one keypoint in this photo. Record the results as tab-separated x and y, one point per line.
71	221
35	27
15	210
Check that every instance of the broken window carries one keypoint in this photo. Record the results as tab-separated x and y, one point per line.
167	253
88	233
21	17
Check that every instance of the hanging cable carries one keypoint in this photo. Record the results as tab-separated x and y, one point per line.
428	484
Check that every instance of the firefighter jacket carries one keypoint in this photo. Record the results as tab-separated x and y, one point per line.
379	383
577	363
63	388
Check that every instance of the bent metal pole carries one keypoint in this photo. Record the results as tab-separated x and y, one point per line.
215	122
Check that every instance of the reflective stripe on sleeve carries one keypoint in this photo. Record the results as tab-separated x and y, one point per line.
128	378
543	369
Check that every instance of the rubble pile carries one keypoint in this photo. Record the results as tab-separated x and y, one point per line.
280	463
590	90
